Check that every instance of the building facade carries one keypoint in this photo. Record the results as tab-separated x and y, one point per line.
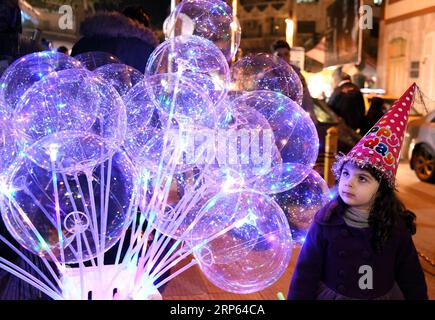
407	46
264	21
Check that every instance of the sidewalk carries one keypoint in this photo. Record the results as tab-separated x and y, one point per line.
193	285
416	195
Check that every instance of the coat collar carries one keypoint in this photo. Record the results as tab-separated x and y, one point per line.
327	216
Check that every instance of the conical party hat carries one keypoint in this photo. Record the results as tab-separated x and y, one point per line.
380	147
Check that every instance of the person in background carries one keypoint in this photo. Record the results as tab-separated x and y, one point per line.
137	13
63	49
375	113
347	100
128	37
282	49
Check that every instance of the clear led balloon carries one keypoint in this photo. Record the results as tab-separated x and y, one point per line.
195	58
73	214
212	20
72	150
246	241
282	177
295	137
245	147
165	112
120	76
24	72
264	71
301	203
8	149
184	204
72	99
94	59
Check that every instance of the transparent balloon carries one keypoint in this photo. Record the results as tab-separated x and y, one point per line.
246	241
212	20
189	193
295	137
70	215
194	58
94	59
245	147
72	99
301	203
26	71
70	151
264	71
282	177
8	148
165	112
120	76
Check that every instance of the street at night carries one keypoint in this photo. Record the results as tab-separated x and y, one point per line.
217	150
417	196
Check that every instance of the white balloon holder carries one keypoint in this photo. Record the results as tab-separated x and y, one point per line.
107	282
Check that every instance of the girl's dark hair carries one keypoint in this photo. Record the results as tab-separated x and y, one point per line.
386	212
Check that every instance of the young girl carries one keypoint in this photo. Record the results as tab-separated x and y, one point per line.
359	246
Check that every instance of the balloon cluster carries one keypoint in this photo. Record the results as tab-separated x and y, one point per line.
201	158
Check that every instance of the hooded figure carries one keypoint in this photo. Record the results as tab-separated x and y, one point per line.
119	35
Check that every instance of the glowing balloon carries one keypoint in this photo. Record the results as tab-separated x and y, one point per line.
295	136
94	59
282	177
180	110
72	99
212	20
301	203
245	147
8	148
25	71
180	216
69	215
266	72
120	76
194	58
70	151
246	242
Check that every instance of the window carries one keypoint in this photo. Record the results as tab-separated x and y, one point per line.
414	71
397	48
306	27
252	29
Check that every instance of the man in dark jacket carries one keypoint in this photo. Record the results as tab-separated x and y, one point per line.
115	33
282	49
347	101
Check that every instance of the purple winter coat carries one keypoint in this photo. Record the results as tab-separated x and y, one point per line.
333	252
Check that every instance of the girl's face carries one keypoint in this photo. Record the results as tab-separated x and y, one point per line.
357	187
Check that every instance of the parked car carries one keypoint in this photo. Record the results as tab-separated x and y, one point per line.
388	102
411	134
423	149
414	121
326	118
